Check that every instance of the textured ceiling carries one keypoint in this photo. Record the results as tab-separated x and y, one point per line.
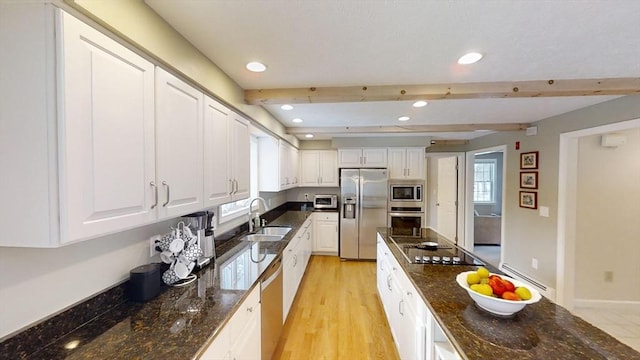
346	43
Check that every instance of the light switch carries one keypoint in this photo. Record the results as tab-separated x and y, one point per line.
544	211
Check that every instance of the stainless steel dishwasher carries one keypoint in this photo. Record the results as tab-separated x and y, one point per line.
271	298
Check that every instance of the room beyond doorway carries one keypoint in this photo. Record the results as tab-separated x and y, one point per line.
485	192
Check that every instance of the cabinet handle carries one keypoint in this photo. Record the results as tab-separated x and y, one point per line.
168	193
231	183
236	186
250	309
155	192
389	282
361	160
400	307
408	172
365	160
295	260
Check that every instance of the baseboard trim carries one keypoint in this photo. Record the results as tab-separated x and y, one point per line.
607	304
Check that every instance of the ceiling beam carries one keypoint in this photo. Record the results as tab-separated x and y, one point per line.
504	89
406	129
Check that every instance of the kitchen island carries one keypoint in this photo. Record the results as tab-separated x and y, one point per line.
542	330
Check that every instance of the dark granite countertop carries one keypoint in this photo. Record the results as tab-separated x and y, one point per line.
178	324
542	330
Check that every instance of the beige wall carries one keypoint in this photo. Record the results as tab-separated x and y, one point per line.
528	235
608	219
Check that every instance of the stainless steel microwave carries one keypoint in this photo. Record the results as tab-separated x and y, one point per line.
325	202
406	191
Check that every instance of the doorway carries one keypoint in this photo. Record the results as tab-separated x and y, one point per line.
445	191
485	192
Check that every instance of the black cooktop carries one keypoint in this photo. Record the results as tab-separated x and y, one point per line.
432	248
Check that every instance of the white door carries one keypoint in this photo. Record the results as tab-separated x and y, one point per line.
217	167
447	192
179	154
107	152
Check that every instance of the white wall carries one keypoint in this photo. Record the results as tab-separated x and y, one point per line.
608	219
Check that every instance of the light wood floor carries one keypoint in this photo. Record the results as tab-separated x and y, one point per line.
337	314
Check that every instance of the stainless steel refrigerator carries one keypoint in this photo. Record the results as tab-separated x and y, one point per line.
363	208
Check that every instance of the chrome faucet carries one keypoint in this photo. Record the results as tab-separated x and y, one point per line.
264	203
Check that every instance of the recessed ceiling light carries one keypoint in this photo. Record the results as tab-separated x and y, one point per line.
469	58
297	120
256	66
420	103
404	118
308	136
286	107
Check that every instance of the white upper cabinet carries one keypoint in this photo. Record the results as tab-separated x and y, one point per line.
362	158
77	120
240	156
217	164
179	148
319	168
278	165
107	133
226	155
406	163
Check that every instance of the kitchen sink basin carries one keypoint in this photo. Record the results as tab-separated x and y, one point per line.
274	230
262	237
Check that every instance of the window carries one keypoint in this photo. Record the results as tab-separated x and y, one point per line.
484	181
241	207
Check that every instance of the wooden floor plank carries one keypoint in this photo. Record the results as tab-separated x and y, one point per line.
337	315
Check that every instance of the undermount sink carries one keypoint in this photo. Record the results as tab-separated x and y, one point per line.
274	230
262	237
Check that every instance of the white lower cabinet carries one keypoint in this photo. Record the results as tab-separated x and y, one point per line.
414	329
294	262
240	338
326	234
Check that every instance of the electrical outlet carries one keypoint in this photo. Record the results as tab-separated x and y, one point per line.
534	263
608	276
306	196
152	245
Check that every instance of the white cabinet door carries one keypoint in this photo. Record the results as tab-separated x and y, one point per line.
291	262
349	158
325	235
397	165
179	151
328	167
240	157
107	128
245	328
293	166
217	146
374	157
415	163
219	348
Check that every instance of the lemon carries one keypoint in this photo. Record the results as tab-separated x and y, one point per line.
483	272
523	292
473	278
483	289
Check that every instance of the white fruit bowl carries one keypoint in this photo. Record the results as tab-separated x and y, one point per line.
495	305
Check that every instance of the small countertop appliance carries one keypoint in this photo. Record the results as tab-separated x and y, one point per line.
201	223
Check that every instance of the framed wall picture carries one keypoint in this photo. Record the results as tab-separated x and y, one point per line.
529	179
529	160
528	199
